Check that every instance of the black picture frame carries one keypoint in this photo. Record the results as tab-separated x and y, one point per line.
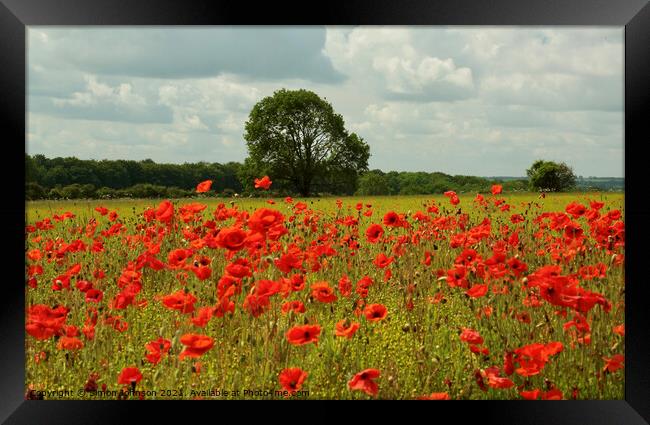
634	15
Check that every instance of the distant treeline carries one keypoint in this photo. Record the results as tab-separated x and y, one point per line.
611	184
72	178
376	182
602	184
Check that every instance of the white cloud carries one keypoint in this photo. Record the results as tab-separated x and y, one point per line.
218	104
387	60
97	93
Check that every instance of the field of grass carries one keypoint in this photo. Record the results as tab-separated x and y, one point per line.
492	298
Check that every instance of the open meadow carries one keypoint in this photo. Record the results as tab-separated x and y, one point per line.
491	296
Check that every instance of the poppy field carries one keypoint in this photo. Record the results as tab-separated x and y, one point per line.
457	296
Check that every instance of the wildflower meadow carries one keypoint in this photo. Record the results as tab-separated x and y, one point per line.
458	296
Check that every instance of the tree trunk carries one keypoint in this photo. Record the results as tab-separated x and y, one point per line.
305	189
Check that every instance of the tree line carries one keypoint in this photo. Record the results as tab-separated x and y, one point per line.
73	178
376	182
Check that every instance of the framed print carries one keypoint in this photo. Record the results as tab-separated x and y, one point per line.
378	201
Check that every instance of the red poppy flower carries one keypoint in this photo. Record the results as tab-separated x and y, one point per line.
532	358
516	218
471	336
530	395
289	261
180	300
497	189
165	212
619	330
375	312
94	295
196	345
301	335
374	233
203	316
156	349
453	197
295	306
266	288
364	381
203	186
239	268
291	379
69	343
553	394
34	254
496	381
201	272
264	219
575	209
322	292
362	286
392	219
231	238
477	291
263	183
129	376
256	305
297	282
345	286
44	322
614	363
517	266
382	261
346	329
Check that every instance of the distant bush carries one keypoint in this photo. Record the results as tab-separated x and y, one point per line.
106	193
227	193
176	192
55	193
34	191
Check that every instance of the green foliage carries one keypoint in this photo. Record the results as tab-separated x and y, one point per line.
228	193
373	183
298	138
552	176
123	174
55	193
71	178
106	193
34	191
376	182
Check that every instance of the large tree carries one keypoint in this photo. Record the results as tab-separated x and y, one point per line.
549	175
296	137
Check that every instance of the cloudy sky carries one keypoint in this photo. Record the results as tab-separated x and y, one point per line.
462	100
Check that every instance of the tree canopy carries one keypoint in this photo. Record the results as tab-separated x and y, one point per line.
549	175
296	138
